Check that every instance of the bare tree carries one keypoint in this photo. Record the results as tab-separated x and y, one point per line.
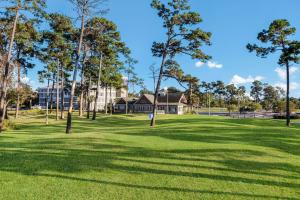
131	75
153	74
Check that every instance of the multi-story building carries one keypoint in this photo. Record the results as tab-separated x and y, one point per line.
104	95
107	95
42	92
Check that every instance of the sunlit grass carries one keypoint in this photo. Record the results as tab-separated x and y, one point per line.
184	157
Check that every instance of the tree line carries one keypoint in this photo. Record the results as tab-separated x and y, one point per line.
95	52
185	37
78	60
234	98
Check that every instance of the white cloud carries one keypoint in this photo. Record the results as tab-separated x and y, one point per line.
210	64
281	72
238	80
293	86
199	64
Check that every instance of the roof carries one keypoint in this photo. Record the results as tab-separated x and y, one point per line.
150	97
130	100
171	98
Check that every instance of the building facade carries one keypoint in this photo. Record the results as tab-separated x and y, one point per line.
105	95
120	105
175	103
42	94
108	95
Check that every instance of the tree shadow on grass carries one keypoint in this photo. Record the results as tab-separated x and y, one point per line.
35	157
103	123
170	189
266	134
69	155
228	167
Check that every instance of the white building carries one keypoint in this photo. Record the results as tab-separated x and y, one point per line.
103	96
42	92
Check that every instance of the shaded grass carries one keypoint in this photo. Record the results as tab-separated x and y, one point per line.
184	157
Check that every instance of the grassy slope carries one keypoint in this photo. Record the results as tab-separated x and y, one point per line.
188	157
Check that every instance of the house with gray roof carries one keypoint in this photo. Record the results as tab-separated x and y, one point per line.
174	103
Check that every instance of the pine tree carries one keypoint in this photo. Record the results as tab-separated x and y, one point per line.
277	39
85	8
182	37
35	7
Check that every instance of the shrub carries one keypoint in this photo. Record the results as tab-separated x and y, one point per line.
232	108
32	112
251	107
280	107
190	112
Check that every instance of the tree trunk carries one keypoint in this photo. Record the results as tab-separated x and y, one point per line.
127	95
47	102
98	89
85	101
62	95
30	104
81	104
57	93
106	99
17	105
154	79
70	110
288	114
152	124
190	98
88	99
96	104
6	112
126	105
3	92
82	86
51	94
209	108
220	102
111	101
18	91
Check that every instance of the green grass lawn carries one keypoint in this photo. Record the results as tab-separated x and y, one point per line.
184	157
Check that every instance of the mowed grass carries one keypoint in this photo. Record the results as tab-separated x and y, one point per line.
119	157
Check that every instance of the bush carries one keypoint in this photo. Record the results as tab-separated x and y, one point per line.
251	107
32	112
280	107
232	108
284	117
190	112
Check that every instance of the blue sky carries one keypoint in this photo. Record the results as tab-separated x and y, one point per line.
233	23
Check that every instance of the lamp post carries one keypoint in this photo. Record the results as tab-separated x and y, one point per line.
166	89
